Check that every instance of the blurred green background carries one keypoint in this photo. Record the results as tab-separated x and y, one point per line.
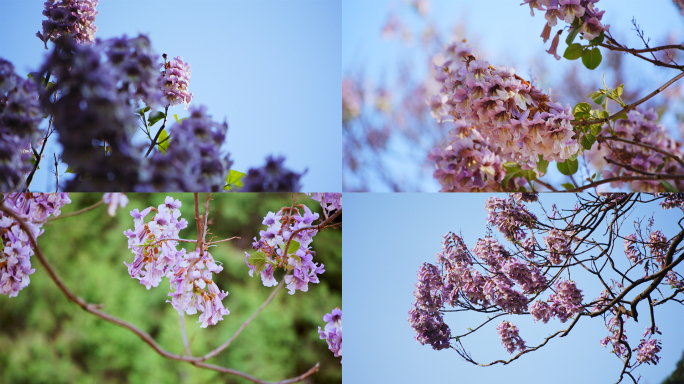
44	338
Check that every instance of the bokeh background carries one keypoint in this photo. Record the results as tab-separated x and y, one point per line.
387	238
270	68
388	47
44	338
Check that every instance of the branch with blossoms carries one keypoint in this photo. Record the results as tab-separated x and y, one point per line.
154	244
96	94
527	277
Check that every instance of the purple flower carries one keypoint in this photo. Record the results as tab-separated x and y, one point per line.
73	18
175	80
332	333
511	340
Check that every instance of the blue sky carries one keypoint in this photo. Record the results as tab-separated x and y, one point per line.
388	236
504	33
270	68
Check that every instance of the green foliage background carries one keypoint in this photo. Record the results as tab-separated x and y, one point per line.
44	338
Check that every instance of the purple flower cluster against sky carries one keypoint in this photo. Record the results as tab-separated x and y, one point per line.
20	115
15	246
176	77
72	18
498	117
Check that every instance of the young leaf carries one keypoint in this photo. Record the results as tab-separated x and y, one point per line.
154	117
234	180
70	170
599	100
573	52
591	58
507	178
568	167
568	186
175	116
588	140
294	246
542	165
595	129
582	111
668	187
142	111
164	140
571	36
598	39
258	259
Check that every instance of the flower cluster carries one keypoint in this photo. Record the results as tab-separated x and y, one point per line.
564	304
20	116
294	225
509	217
673	200
647	349
329	201
642	127
272	177
498	117
580	14
175	79
425	318
631	250
195	162
73	18
92	114
15	246
558	245
511	340
332	333
352	100
190	275
613	325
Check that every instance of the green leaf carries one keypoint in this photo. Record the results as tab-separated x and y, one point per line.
573	52
294	246
618	91
571	36
599	100
70	170
259	260
620	116
582	111
175	116
35	76
84	176
507	178
595	129
529	175
542	165
511	166
234	180
598	39
568	186
568	167
154	117
588	140
591	58
163	141
661	166
142	111
668	187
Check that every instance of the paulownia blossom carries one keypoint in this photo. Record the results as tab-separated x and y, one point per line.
498	117
175	79
271	253
15	246
332	333
190	274
73	18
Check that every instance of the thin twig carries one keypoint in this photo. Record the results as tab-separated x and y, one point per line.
156	137
75	213
629	107
658	176
661	151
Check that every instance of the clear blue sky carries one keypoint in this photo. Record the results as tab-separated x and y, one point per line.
388	236
270	68
506	34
